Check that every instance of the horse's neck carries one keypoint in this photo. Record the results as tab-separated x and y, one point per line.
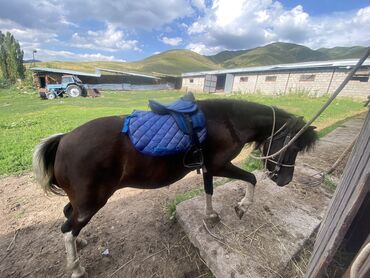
257	127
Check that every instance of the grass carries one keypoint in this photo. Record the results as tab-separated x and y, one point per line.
329	183
25	119
171	206
251	164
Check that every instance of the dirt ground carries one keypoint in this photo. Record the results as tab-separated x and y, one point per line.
133	226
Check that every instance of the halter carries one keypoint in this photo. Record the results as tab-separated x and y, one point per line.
278	163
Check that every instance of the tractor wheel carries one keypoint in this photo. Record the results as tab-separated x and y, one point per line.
51	95
73	90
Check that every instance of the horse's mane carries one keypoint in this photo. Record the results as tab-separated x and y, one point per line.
247	110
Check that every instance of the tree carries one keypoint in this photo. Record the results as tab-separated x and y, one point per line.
11	58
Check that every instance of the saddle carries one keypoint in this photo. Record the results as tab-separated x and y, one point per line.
174	128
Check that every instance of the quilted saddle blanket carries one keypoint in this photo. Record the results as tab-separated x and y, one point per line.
158	135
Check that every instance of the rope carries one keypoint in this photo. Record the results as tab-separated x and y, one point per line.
272	132
329	101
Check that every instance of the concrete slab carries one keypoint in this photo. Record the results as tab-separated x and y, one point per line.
263	242
275	227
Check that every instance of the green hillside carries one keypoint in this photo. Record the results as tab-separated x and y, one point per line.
275	53
343	52
222	56
176	62
173	62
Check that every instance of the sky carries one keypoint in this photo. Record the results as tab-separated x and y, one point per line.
130	30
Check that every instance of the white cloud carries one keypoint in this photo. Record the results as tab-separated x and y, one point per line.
243	24
110	39
28	38
171	41
199	4
50	55
203	49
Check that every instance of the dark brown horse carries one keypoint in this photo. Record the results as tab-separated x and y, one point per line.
93	161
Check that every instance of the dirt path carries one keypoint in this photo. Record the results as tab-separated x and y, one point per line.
133	226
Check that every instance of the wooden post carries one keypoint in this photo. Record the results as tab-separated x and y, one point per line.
348	197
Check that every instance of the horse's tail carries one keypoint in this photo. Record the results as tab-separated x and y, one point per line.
43	163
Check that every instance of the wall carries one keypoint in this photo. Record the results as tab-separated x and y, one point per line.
325	81
196	86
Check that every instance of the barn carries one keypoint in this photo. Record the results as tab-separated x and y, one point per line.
105	79
313	78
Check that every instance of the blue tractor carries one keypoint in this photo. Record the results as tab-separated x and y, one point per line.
71	85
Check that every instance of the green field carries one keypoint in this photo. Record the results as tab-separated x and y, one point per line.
25	118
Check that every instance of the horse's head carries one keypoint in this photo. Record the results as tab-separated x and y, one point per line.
281	166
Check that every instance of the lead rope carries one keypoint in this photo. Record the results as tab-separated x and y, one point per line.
272	133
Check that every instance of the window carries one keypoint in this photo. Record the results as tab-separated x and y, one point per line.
307	77
244	79
270	78
191	80
360	78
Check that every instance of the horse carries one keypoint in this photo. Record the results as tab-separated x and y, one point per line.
94	160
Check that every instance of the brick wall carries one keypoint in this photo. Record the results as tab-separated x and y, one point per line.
316	82
323	82
196	85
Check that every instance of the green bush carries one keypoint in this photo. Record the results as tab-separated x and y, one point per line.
4	83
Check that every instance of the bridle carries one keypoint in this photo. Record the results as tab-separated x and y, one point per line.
273	137
279	161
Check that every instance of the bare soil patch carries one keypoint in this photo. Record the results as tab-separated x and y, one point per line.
133	226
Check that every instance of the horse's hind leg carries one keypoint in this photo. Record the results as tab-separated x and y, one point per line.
67	211
82	212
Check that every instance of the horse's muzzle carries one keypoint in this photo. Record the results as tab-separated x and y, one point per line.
279	180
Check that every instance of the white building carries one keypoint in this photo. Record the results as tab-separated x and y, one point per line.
314	78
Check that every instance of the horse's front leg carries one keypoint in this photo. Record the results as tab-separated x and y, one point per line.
208	188
231	171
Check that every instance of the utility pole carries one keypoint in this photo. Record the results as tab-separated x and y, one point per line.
33	56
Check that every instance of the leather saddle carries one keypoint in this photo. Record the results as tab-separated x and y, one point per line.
184	110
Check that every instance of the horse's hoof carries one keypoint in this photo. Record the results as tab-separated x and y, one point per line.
239	211
81	273
81	243
213	218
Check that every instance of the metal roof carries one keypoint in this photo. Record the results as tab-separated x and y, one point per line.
305	65
96	74
129	73
73	72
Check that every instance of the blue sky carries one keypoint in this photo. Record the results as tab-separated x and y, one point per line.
128	30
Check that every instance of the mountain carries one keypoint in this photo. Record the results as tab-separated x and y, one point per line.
275	53
177	61
343	52
283	53
172	62
222	56
31	61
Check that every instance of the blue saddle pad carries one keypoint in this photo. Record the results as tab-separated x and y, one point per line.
159	135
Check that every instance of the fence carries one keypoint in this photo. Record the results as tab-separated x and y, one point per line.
348	197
